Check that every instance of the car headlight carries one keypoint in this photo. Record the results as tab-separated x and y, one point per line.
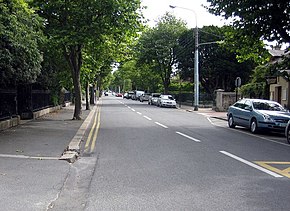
267	118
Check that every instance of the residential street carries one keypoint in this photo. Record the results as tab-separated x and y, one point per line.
140	157
152	158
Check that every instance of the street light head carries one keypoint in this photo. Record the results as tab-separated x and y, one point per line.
171	6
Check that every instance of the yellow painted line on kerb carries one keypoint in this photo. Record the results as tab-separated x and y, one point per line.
268	165
90	143
96	131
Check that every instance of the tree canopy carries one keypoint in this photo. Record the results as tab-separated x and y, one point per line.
218	66
20	39
72	25
156	46
268	20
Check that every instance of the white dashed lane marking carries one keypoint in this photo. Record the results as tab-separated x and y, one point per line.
186	136
164	126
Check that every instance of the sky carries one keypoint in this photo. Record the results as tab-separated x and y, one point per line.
157	8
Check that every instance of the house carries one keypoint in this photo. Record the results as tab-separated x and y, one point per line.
280	85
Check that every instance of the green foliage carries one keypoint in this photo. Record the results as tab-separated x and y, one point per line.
75	25
268	20
156	47
20	39
257	87
246	47
184	86
218	67
131	75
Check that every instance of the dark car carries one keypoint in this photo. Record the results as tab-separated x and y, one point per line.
257	114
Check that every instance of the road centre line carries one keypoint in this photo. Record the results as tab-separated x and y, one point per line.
133	109
139	113
164	126
251	164
186	136
146	117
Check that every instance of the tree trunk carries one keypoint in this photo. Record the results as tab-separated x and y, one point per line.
73	55
92	96
87	96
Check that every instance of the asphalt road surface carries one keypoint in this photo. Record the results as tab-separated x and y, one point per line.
147	158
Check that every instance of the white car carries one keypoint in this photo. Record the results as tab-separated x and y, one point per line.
166	101
153	98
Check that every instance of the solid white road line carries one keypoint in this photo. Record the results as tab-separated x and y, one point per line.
250	164
28	157
146	117
164	126
186	136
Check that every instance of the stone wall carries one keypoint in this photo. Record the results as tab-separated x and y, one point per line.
224	100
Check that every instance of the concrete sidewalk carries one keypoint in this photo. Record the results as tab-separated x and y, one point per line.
46	137
206	112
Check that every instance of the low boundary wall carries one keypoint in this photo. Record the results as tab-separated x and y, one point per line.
5	124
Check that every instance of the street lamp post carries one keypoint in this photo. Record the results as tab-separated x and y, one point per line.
196	75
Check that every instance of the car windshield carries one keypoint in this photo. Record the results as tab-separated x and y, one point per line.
166	97
268	106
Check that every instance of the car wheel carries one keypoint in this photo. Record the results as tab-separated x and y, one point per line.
288	135
254	126
231	122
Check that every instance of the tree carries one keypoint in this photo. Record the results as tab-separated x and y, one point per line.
20	39
71	25
156	47
268	20
218	66
131	75
246	48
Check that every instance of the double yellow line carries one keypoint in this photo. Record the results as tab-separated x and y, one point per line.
91	141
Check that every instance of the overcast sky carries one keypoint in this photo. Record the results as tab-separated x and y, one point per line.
157	8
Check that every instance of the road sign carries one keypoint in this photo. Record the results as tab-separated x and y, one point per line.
238	82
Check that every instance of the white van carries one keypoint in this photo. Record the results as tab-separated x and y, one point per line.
137	94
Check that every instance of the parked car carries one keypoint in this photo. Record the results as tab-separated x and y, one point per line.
166	101
126	95
287	132
118	95
137	94
144	97
257	114
153	98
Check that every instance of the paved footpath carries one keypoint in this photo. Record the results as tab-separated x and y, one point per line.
31	175
45	138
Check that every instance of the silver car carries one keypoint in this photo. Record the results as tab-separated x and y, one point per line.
166	101
257	114
153	98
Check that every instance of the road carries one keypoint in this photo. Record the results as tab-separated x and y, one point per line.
140	157
150	158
